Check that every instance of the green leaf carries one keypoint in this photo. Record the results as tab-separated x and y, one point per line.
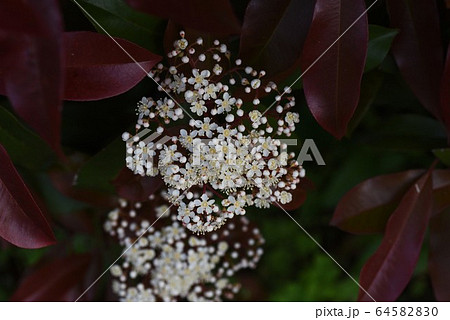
443	155
409	132
380	40
370	85
98	172
121	21
25	147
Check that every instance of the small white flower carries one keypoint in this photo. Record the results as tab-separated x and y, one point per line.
254	168
210	92
179	83
292	118
225	103
236	205
199	107
255	116
206	128
255	84
199	79
144	107
182	44
285	197
205	205
217	69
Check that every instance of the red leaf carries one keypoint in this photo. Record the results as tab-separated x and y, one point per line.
31	68
387	272
332	85
366	208
210	16
134	187
28	23
418	49
445	94
439	259
21	220
273	33
97	68
59	280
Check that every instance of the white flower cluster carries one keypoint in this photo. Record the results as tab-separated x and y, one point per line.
167	264
228	158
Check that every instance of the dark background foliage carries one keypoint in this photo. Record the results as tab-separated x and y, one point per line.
377	106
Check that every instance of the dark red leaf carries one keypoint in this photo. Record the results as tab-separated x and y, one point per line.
31	72
388	271
418	49
59	280
439	259
21	220
332	85
445	94
273	33
209	16
97	68
365	209
134	187
29	22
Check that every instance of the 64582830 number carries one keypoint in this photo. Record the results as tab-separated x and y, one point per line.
407	311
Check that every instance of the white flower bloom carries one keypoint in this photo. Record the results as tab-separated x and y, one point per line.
205	205
182	44
179	83
255	116
144	107
229	147
199	79
292	118
285	197
210	92
198	107
225	104
236	205
206	128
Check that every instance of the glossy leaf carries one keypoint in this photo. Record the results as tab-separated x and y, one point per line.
380	40
366	208
400	133
134	187
121	21
418	49
209	16
445	94
388	271
21	220
332	84
97	68
23	145
31	73
59	280
439	258
273	33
